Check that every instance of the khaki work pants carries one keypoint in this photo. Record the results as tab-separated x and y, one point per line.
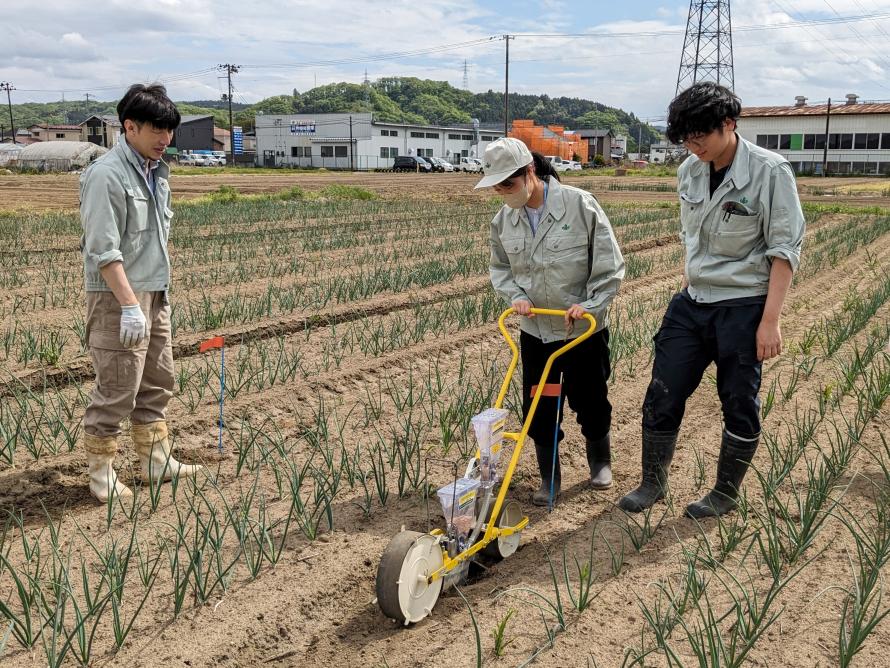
135	382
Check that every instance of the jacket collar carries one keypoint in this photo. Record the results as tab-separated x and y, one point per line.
554	205
129	155
738	171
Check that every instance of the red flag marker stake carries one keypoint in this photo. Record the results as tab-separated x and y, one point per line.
218	342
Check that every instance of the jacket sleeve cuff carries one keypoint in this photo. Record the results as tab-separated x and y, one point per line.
785	253
108	257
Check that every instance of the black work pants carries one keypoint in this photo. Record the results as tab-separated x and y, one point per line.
585	370
693	335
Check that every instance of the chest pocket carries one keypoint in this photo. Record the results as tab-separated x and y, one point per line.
691	206
138	217
568	260
163	196
137	210
514	247
736	235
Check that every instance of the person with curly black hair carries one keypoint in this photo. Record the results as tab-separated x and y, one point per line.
742	228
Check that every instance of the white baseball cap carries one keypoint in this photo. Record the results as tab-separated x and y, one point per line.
503	157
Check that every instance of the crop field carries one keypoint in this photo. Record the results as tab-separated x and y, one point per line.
361	337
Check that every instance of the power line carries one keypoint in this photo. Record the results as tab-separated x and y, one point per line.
853	59
745	28
859	35
872	17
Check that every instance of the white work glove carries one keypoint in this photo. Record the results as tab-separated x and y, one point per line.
133	326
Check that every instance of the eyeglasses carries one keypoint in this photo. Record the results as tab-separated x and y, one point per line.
696	140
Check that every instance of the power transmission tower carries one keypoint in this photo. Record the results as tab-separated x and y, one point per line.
466	77
366	84
230	70
707	49
5	85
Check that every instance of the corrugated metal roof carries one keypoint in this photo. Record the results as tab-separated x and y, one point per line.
593	133
819	109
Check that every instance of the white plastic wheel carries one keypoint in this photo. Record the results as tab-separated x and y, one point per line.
503	546
403	592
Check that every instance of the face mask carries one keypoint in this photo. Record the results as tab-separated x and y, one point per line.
518	199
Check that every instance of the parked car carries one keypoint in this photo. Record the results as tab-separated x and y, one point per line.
558	163
218	158
192	160
411	163
440	165
470	165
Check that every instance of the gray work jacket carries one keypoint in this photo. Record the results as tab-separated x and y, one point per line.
732	236
573	258
123	221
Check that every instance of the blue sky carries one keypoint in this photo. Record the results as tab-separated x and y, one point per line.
630	60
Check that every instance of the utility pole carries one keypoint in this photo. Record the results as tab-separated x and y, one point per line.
825	148
230	70
5	85
351	147
87	96
507	39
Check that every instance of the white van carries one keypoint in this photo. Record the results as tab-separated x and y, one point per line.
470	165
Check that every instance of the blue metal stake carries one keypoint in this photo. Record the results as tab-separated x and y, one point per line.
555	448
222	392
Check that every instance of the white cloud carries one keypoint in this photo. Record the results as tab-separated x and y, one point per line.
72	46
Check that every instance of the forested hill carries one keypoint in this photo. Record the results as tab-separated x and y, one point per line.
396	99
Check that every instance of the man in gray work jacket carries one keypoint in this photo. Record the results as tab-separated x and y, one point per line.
125	213
742	227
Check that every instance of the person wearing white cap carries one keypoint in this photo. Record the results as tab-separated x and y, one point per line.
552	247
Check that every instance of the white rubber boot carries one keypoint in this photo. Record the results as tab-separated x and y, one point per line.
101	451
153	447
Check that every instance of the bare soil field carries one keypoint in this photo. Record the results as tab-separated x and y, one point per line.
60	191
361	337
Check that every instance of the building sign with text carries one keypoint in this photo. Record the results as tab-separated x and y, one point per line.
302	127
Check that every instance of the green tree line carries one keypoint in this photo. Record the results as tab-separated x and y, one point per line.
392	99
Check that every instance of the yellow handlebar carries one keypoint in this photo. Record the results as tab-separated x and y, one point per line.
513	363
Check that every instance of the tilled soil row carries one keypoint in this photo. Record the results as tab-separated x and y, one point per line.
80	371
315	607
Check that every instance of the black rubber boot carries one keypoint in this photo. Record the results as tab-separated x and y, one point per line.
545	467
735	456
599	458
658	451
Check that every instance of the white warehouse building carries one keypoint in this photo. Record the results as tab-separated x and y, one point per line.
857	137
358	141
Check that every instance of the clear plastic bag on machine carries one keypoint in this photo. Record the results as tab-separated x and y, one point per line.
489	428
